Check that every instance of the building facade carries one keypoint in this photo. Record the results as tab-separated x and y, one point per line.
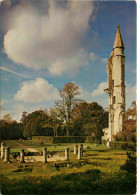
115	88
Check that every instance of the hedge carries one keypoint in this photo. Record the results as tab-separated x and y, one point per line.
63	139
44	139
122	145
90	139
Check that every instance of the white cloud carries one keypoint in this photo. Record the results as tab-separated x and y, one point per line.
5	79
3	101
17	112
98	95
5	3
71	65
130	94
93	57
49	41
104	60
36	91
19	108
1	1
131	89
84	94
102	97
13	72
100	90
3	108
2	105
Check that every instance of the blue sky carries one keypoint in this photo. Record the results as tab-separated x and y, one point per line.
45	44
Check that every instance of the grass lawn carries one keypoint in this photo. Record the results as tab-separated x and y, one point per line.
98	172
28	143
10	144
13	150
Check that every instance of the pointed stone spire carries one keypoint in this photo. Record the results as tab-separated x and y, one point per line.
118	40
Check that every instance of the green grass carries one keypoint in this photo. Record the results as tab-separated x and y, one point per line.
9	143
94	157
61	147
13	150
13	146
100	166
28	143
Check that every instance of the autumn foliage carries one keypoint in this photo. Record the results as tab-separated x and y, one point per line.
129	132
70	116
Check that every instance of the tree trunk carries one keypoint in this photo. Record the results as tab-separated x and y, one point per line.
67	129
56	132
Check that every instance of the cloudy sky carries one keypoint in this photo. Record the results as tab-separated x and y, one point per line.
45	44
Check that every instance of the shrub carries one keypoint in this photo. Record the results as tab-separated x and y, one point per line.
69	139
130	165
90	139
15	155
123	145
59	139
119	145
44	139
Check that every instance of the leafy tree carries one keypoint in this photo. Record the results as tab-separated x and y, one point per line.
24	118
11	130
3	129
38	123
54	121
129	130
67	103
89	119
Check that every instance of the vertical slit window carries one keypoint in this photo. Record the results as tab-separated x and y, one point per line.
114	99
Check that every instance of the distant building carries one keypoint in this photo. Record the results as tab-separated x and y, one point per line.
116	88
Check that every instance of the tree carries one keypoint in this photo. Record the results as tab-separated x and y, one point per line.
24	118
67	103
38	123
3	129
7	118
11	130
89	119
54	121
129	130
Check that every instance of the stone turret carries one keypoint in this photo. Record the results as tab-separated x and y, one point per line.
116	88
118	40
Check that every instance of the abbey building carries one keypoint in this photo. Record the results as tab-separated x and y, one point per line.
116	88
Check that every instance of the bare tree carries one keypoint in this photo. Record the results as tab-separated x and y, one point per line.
67	103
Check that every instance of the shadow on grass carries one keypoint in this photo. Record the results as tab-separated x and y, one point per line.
101	150
103	158
87	155
90	182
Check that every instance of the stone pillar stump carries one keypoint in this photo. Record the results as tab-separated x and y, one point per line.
44	155
67	154
6	154
108	144
81	145
75	149
2	150
22	156
79	152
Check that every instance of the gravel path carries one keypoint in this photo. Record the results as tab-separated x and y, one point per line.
23	146
37	158
40	158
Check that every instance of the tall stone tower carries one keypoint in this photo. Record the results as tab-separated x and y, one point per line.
116	88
